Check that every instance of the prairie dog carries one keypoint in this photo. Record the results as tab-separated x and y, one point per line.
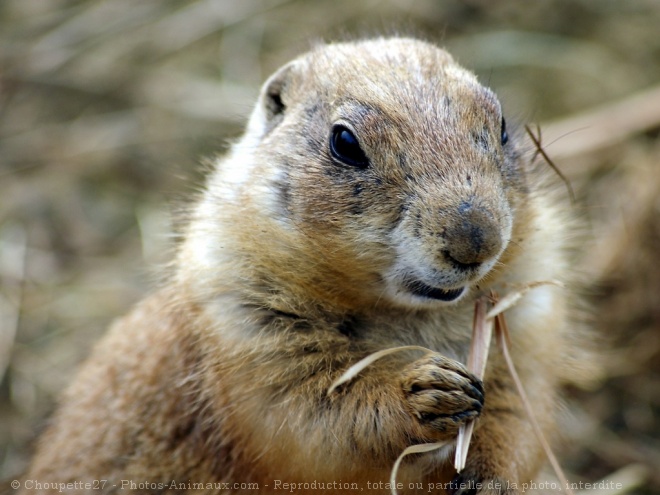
374	195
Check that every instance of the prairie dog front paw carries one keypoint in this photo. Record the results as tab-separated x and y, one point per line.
442	393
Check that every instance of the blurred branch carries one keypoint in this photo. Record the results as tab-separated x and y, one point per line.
605	126
13	257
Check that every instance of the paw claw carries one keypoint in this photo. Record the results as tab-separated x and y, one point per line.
442	393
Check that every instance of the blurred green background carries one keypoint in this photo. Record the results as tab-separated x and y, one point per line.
108	107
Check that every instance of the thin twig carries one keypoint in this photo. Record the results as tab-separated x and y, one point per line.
502	334
536	139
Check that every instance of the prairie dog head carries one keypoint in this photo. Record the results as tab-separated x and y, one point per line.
375	172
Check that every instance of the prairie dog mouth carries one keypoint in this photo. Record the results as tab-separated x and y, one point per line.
420	289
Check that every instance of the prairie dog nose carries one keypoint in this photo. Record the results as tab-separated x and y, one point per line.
474	238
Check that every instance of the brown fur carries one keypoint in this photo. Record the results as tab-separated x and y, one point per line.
293	267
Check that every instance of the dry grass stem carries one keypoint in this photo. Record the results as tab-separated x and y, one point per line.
482	331
354	370
510	299
413	449
502	335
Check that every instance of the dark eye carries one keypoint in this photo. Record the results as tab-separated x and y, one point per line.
505	135
344	147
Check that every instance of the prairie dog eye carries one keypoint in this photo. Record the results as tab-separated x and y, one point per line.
344	147
505	135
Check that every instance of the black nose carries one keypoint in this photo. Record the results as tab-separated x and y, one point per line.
475	237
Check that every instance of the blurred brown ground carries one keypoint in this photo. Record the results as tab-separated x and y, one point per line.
107	107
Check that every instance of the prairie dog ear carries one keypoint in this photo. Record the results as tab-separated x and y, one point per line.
274	94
